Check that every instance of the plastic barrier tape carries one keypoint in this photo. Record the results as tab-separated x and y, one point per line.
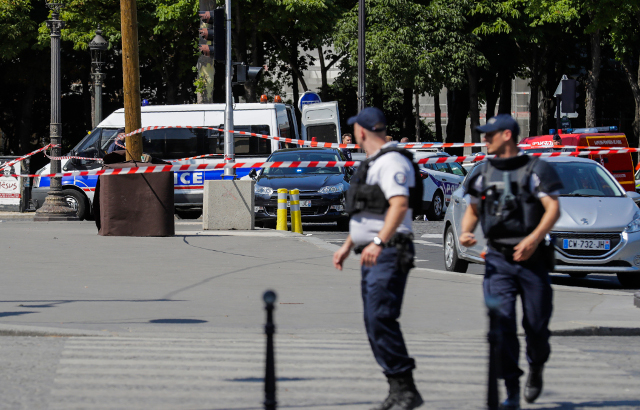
10	163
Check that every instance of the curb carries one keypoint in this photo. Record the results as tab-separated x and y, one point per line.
598	331
33	331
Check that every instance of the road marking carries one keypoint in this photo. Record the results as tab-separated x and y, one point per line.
427	243
432	236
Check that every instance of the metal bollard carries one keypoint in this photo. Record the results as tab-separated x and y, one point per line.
270	402
494	337
281	224
296	215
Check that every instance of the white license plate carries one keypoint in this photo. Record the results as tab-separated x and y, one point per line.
593	244
303	204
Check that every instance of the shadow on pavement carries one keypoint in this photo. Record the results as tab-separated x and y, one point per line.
593	405
178	321
6	314
591	281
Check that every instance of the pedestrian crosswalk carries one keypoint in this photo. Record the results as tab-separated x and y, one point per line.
324	372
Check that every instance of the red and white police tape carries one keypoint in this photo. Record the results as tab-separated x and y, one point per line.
293	164
10	163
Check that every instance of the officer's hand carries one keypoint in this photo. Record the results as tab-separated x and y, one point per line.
340	255
467	239
524	250
370	255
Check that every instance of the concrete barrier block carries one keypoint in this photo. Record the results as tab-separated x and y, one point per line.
228	205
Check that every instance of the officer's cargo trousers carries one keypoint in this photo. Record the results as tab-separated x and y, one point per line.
505	280
382	292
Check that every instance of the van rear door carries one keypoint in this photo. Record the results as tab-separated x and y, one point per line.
620	165
321	121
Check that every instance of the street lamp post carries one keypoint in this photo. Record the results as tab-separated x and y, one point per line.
98	46
55	206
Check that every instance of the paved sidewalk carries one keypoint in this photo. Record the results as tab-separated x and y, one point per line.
177	323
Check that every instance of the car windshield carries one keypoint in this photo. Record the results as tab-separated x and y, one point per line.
303	155
585	179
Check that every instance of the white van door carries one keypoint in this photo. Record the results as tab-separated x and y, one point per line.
321	121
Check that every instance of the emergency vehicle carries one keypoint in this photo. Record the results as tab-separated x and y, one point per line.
171	144
619	165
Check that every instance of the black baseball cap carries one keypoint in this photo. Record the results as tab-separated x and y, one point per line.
501	122
371	119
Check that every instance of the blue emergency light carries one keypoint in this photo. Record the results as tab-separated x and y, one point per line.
612	128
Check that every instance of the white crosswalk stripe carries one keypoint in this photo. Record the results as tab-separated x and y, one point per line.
322	373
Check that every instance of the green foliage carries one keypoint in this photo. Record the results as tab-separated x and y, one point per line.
16	28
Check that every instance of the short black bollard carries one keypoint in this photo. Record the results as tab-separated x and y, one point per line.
270	402
494	336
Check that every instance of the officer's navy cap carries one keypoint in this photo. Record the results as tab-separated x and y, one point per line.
370	118
500	122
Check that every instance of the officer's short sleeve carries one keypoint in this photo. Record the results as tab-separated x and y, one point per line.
550	182
395	175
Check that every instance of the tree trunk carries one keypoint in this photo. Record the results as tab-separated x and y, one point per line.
474	109
492	92
504	106
534	86
26	119
438	116
458	110
408	122
417	113
323	75
634	83
593	76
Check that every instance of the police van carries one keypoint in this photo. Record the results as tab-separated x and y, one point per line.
439	181
172	144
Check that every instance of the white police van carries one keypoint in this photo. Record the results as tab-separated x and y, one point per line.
275	119
439	181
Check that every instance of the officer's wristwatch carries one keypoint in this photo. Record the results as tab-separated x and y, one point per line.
379	242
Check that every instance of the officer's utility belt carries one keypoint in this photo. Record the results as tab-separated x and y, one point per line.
397	240
544	253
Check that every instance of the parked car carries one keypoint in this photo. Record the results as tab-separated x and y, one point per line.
322	190
598	230
439	181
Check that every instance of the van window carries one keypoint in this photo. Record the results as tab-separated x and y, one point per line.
243	145
95	143
172	143
322	133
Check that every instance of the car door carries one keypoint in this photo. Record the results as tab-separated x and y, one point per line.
459	202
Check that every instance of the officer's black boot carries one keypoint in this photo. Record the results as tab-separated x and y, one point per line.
512	401
394	388
533	388
408	397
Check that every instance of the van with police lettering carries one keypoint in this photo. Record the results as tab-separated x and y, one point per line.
619	165
177	145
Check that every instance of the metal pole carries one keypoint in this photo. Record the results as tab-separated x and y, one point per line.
361	56
270	402
558	120
98	77
55	207
229	153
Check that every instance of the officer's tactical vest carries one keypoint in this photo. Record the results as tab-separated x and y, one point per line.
370	198
509	210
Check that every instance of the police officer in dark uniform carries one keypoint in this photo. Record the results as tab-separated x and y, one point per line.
383	192
515	197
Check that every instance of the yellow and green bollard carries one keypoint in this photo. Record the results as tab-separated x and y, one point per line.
296	215
281	224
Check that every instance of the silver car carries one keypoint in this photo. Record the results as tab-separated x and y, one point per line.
598	230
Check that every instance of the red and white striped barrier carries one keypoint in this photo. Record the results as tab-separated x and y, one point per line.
10	163
293	164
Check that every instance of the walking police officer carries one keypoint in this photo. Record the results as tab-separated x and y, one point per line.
383	192
515	198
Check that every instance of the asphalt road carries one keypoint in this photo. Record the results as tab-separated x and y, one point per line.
429	254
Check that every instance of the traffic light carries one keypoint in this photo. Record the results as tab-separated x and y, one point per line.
243	72
569	96
214	19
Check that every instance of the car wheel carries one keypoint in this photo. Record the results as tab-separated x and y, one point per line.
189	213
578	275
343	225
436	210
629	280
77	202
452	261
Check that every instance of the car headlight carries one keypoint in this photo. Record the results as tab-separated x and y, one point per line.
634	226
263	190
331	189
